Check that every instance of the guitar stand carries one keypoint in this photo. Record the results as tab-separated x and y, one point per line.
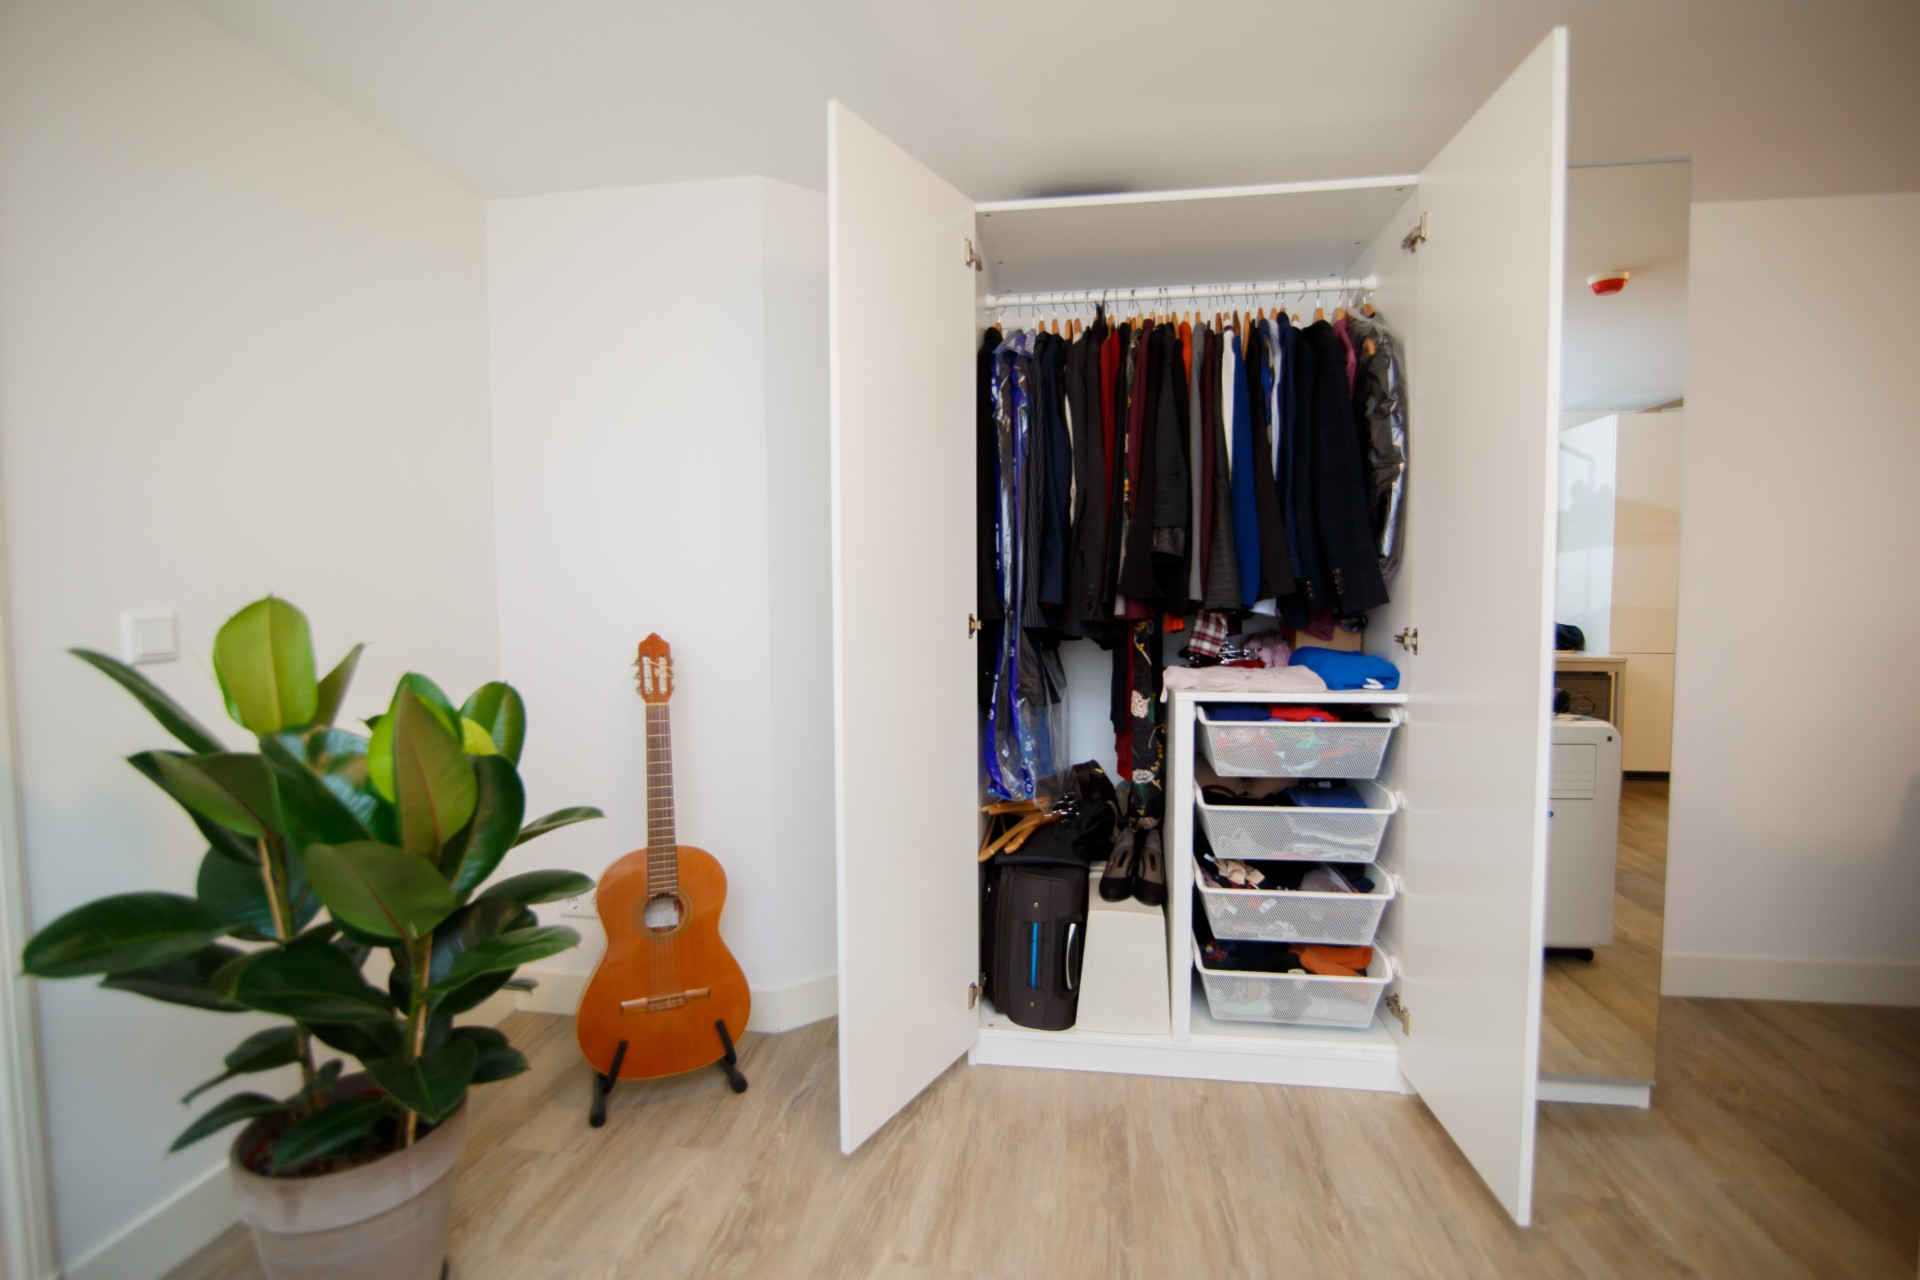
728	1062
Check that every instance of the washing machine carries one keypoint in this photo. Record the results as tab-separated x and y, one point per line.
1583	832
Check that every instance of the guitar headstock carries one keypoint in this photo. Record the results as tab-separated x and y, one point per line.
653	671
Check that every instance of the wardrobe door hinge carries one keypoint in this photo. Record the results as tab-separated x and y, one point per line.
1401	1012
974	989
1416	237
973	626
973	258
1409	639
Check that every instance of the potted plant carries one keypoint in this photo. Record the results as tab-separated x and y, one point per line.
395	834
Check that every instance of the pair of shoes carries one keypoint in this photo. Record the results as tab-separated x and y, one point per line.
1136	869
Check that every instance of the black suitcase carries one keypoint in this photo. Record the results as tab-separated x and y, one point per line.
1033	934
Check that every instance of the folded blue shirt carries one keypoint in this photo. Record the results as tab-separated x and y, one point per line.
1342	670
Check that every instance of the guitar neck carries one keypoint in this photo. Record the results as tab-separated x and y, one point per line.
663	852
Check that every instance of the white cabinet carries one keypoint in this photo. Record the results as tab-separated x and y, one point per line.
1478	307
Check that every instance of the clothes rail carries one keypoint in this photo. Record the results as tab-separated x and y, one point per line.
1154	293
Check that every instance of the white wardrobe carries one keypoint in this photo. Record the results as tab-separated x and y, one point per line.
1477	306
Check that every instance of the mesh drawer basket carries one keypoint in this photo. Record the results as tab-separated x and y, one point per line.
1291	749
1312	1000
1280	915
1300	834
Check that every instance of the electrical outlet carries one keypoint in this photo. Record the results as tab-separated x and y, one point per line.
583	906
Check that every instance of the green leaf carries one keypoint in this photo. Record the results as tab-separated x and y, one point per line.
227	977
466	929
241	1106
555	820
498	708
232	788
380	890
171	715
433	1086
311	981
474	740
230	843
261	1051
126	931
310	812
498	1060
472	995
530	887
186	980
263	658
236	892
499	805
325	1077
432	781
333	689
509	950
363	1040
332	1128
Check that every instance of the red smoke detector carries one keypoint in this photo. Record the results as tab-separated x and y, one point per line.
1608	282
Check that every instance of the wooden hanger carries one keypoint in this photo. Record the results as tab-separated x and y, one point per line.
1366	309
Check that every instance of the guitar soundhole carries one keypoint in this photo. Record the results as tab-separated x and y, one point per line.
663	914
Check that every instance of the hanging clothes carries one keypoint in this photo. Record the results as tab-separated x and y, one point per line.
1339	486
1380	407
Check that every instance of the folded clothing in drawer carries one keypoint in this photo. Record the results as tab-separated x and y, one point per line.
1292	901
1330	822
1283	749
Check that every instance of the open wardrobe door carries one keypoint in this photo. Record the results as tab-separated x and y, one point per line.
1485	386
900	314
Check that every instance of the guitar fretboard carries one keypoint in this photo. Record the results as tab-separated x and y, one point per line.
663	860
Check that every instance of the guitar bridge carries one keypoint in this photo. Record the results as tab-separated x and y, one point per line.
660	1004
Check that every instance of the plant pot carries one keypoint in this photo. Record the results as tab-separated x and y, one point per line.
381	1221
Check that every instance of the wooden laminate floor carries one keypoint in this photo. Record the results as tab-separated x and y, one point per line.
1781	1143
1599	1017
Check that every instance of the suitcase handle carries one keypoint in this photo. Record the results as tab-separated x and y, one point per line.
1072	965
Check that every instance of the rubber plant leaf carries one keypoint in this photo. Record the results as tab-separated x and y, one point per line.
509	950
380	890
498	708
261	1051
310	981
333	687
532	887
557	819
234	789
434	788
230	843
331	1129
263	659
238	893
432	1086
171	715
499	805
498	1060
185	980
380	745
125	931
473	924
474	739
241	1106
310	811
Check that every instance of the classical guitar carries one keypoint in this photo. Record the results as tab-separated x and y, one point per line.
667	996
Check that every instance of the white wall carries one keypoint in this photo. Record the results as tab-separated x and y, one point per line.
1583	559
659	418
242	350
1794	863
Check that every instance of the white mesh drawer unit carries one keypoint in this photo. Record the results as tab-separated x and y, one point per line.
1281	915
1302	833
1311	1000
1296	749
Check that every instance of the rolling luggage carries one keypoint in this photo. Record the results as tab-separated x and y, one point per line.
1034	929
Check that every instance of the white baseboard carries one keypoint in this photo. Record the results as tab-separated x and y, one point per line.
781	1008
1604	1093
166	1236
1777	978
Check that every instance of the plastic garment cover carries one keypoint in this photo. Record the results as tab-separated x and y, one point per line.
1380	402
1025	743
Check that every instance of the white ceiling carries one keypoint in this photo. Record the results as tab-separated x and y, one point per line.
1041	97
1627	350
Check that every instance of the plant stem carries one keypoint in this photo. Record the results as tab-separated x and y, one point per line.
421	954
280	902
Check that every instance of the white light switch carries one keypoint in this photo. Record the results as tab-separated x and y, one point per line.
149	636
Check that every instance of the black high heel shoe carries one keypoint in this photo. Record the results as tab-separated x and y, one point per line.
1119	881
1150	878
